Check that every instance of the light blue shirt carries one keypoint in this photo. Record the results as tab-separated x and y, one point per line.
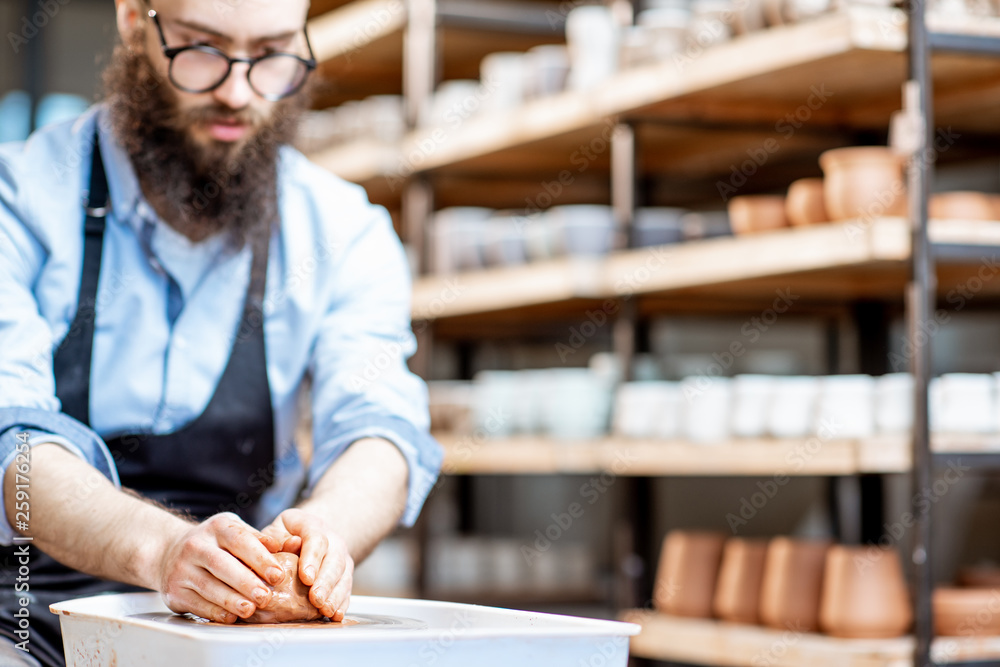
337	307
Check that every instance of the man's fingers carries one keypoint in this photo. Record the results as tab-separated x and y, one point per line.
340	599
293	544
322	593
234	575
246	544
216	593
187	600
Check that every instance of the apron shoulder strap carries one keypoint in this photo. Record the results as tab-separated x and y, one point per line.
71	363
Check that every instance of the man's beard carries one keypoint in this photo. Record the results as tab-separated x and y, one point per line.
198	190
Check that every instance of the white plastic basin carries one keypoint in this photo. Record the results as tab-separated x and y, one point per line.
132	629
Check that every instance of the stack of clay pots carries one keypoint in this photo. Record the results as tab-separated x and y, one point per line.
860	183
784	583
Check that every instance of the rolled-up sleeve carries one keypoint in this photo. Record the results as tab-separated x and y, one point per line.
362	386
28	405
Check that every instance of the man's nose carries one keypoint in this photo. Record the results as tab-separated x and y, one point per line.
235	92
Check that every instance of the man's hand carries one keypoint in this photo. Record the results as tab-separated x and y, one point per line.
324	562
218	569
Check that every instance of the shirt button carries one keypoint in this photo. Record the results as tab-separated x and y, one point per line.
181	342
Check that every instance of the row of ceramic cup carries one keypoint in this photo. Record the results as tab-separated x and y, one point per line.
380	118
457	564
808	585
577	404
702	409
468	238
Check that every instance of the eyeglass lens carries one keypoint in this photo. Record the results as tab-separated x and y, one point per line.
199	69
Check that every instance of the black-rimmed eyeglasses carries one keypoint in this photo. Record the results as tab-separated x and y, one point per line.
199	68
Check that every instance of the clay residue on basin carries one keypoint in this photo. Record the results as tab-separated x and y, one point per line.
350	621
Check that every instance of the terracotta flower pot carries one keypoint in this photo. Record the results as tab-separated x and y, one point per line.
863	182
962	206
864	594
793	579
757	213
966	612
688	569
805	204
737	592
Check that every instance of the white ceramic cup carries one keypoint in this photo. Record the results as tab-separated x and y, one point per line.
846	406
592	35
752	396
894	403
705	408
793	409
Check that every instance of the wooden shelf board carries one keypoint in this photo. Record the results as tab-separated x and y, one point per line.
347	29
842	260
811	68
663	458
751	457
709	642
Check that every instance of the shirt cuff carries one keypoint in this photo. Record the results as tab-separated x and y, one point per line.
43	426
423	455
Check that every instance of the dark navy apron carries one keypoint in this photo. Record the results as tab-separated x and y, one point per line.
204	468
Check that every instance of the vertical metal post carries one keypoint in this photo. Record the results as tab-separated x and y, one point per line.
418	206
623	178
919	304
33	63
419	57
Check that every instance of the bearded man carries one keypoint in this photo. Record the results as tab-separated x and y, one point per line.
155	337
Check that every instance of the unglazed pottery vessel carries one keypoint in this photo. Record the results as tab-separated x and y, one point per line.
966	612
757	213
793	579
737	592
688	570
864	594
962	206
805	204
863	182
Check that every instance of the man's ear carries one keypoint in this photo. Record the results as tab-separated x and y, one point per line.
128	17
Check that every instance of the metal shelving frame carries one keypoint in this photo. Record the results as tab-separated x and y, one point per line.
921	298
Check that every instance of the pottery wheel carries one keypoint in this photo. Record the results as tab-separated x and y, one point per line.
353	621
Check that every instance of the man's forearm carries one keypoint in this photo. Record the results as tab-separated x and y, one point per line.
79	518
363	494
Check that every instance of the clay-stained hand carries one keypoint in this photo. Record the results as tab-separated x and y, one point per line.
218	569
324	563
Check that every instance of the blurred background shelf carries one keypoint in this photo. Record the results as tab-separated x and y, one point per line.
709	642
841	261
765	457
360	45
698	116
